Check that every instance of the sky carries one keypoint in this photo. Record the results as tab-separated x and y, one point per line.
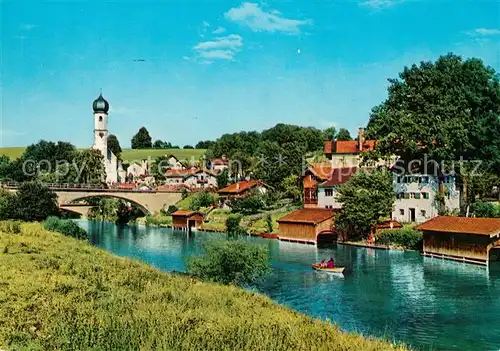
194	70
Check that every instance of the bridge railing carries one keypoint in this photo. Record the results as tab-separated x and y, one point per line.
70	186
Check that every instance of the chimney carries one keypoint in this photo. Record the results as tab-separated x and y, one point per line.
361	140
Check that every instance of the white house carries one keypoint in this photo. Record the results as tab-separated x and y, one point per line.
174	163
201	179
219	164
416	197
327	191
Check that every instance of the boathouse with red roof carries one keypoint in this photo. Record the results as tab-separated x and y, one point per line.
461	238
185	220
307	225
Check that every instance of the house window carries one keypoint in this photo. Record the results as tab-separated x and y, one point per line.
100	118
416	195
406	195
328	192
422	212
402	212
425	196
424	179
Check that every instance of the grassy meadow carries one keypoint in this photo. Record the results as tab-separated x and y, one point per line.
60	293
128	155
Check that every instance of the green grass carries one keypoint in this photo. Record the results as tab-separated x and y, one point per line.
128	155
61	293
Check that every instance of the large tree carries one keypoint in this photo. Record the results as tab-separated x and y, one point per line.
114	145
142	140
90	164
446	109
343	135
366	198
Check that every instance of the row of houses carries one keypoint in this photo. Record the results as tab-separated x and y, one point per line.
415	193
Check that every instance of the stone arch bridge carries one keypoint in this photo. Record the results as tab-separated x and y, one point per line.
150	201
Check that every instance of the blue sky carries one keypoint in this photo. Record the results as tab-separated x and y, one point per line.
216	67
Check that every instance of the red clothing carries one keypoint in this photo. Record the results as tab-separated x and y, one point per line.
330	264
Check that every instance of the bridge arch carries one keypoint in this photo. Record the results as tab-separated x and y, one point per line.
142	207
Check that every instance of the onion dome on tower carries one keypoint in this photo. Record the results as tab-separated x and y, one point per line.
100	105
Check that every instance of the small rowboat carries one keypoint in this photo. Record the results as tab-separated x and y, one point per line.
269	236
317	267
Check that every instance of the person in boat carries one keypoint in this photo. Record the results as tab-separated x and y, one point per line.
322	264
331	263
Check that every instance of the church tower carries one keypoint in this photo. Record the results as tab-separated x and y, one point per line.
101	108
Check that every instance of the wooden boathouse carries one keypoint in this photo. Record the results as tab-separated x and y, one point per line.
185	220
307	225
461	239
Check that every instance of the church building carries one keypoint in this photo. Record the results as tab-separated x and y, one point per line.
111	166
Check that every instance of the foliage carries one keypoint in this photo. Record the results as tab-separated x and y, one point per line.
91	165
96	300
158	220
6	204
171	209
222	178
202	199
184	193
279	161
343	135
114	146
248	205
292	186
33	202
204	144
445	109
407	238
106	209
10	227
159	144
231	262
159	167
485	209
366	198
269	223
329	133
65	226
188	147
142	140
233	227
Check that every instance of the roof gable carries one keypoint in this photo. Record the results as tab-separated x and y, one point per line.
308	216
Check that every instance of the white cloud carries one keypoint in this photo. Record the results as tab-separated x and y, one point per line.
484	31
220	48
218	54
219	30
259	20
377	4
232	41
206	24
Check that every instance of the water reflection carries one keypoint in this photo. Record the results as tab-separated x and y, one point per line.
399	295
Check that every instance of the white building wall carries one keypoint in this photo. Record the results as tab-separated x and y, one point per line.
327	198
174	163
411	198
192	180
136	170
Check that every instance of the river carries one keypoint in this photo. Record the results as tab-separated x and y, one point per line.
402	296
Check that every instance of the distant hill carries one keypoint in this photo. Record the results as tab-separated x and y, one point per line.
128	155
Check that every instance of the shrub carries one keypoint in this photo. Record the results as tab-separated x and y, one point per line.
485	209
6	204
405	237
231	262
249	205
269	223
34	202
233	227
65	227
171	209
202	199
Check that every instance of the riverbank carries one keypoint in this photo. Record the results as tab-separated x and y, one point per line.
58	292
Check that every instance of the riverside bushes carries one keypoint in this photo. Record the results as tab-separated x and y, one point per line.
65	226
58	293
232	261
407	238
